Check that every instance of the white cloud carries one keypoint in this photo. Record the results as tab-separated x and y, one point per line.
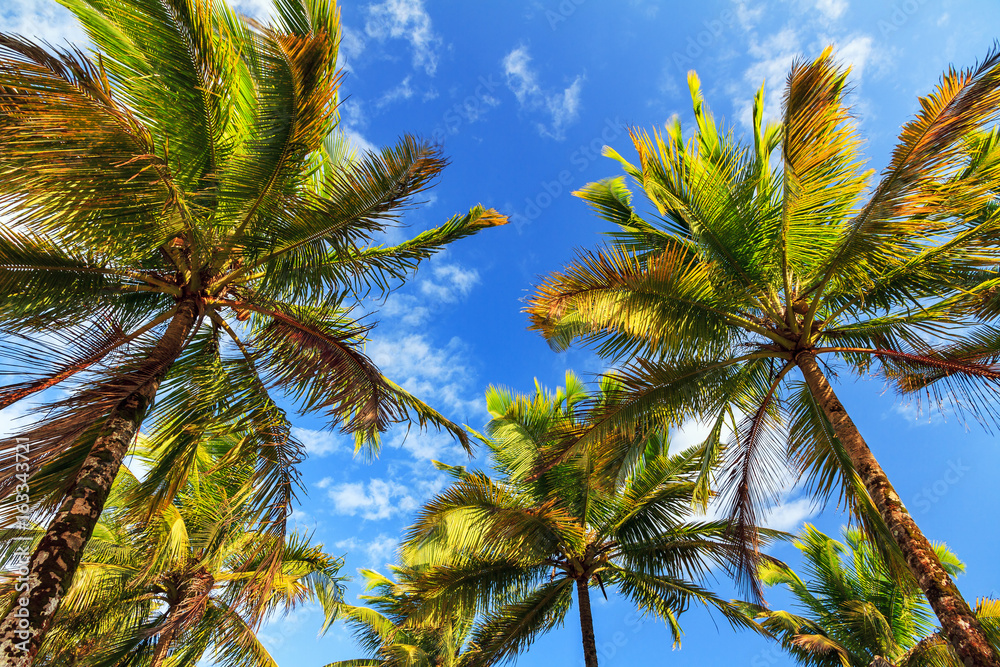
786	515
521	78
406	309
352	44
439	376
802	38
748	16
379	499
406	19
317	443
919	413
689	434
832	9
856	52
353	121
377	552
775	56
562	107
382	548
428	445
790	515
450	282
41	20
300	519
441	282
15	418
262	10
403	91
279	630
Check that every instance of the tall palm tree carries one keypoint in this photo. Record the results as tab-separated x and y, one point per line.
515	547
185	585
392	631
749	273
856	611
181	215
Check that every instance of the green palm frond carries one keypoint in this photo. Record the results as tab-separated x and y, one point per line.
511	547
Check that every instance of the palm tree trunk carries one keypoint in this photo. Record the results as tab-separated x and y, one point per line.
586	623
58	554
163	643
958	624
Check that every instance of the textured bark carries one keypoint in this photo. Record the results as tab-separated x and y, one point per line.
586	623
58	554
958	624
163	643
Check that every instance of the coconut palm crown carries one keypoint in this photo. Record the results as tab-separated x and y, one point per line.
854	612
190	583
514	548
181	215
392	630
755	269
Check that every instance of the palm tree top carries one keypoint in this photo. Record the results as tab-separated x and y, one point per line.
191	173
852	611
193	580
512	547
763	255
395	630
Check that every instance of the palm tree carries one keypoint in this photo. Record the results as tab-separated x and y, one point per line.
748	272
180	214
856	611
514	548
393	632
189	583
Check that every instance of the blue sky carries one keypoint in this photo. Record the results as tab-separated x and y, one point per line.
523	94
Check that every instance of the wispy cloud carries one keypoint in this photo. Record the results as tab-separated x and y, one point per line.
789	515
377	551
380	499
439	283
317	443
352	44
772	54
41	19
403	91
406	19
832	9
562	107
449	283
376	500
439	375
920	414
353	122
